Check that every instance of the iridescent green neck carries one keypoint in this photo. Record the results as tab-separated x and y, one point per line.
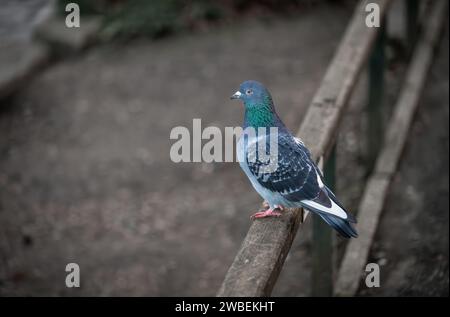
259	114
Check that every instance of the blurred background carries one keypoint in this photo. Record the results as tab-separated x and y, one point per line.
85	119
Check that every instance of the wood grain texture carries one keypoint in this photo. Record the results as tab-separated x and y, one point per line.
371	206
260	258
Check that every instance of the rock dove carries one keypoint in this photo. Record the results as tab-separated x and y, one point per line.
289	178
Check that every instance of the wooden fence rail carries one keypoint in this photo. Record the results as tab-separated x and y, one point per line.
371	205
260	258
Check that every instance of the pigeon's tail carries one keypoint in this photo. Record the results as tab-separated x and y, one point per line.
342	226
350	217
331	211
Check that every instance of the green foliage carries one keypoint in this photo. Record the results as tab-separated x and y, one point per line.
204	10
87	7
156	18
150	18
145	18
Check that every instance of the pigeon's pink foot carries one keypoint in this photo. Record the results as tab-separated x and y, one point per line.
268	213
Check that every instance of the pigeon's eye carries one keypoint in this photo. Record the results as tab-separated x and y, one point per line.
249	92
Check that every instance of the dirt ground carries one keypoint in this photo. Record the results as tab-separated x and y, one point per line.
86	177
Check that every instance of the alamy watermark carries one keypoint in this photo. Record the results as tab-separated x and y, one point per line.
373	275
73	18
73	278
373	16
261	145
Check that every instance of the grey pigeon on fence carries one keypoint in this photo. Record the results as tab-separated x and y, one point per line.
279	165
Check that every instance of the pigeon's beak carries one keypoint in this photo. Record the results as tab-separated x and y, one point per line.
237	95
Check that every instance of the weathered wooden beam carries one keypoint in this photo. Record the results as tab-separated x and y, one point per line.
258	263
355	257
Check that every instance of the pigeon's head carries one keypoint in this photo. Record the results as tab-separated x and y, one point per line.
253	93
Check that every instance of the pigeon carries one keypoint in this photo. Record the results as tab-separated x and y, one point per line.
279	166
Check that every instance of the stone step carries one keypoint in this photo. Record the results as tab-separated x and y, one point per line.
61	38
19	61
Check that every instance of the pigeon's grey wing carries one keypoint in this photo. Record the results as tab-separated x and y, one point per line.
295	176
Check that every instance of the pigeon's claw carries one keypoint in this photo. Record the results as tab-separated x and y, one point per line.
265	204
264	214
268	213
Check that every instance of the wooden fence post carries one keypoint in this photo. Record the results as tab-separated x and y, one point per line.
375	124
412	23
322	241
